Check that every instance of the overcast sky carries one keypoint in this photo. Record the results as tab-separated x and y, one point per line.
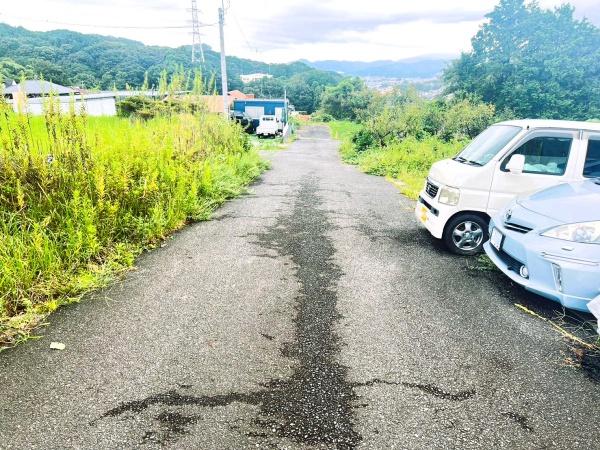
281	31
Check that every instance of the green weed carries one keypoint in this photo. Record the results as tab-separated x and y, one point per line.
408	160
273	144
81	197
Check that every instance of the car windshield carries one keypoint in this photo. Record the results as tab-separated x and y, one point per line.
487	145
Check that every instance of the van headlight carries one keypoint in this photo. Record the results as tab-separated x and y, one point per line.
584	232
449	196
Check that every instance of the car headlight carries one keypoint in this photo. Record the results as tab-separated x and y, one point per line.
449	196
585	232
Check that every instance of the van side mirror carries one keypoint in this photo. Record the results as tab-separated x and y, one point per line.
516	164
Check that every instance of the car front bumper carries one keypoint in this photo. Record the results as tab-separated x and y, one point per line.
433	215
553	272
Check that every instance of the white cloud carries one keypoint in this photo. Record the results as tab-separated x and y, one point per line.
277	31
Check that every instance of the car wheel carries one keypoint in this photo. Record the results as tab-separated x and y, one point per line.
465	234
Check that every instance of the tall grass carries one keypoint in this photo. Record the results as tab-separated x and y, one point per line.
81	197
407	161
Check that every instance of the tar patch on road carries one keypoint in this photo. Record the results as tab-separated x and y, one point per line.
313	406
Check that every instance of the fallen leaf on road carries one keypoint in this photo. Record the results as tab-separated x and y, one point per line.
57	346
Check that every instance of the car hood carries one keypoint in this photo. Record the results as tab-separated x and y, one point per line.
567	203
452	173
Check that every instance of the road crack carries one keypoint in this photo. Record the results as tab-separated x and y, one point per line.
430	389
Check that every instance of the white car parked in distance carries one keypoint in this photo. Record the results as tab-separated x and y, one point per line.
268	126
507	160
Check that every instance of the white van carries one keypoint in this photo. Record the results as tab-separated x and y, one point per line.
268	126
508	159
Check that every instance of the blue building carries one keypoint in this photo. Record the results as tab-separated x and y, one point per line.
249	111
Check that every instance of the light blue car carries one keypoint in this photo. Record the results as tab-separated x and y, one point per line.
549	243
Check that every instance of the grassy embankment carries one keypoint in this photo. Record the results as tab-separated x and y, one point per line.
81	197
406	162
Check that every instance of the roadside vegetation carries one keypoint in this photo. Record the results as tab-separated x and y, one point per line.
80	197
515	70
269	144
400	135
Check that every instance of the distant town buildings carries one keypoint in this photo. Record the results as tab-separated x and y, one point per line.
249	78
426	87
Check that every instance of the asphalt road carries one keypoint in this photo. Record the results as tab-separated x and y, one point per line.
313	312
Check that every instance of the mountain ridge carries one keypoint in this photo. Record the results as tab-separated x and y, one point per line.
97	61
418	67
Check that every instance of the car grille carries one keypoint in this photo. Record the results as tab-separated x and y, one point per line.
431	189
511	263
516	227
424	202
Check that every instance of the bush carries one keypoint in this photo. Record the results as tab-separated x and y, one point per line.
322	117
147	108
466	118
137	105
363	140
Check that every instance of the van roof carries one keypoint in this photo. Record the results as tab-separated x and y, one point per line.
543	123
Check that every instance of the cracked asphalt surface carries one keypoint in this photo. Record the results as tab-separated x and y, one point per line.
311	313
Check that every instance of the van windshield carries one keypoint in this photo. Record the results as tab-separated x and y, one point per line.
487	145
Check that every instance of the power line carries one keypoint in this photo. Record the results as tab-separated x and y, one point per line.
118	27
239	27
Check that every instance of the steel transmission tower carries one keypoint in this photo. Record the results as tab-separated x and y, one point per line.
196	39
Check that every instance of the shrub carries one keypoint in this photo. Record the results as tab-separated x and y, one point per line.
322	117
363	140
147	108
136	105
466	118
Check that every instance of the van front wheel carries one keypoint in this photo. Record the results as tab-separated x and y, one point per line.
465	234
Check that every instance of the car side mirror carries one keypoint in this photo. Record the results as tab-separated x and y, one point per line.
516	164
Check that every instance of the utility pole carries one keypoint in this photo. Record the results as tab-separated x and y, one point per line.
223	62
196	38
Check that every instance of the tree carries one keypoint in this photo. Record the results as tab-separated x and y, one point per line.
347	99
305	89
198	83
146	84
163	83
533	62
266	88
63	56
467	118
10	70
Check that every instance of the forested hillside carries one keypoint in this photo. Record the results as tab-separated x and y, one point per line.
95	61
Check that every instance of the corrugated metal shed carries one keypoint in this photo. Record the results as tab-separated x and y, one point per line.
38	88
268	106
